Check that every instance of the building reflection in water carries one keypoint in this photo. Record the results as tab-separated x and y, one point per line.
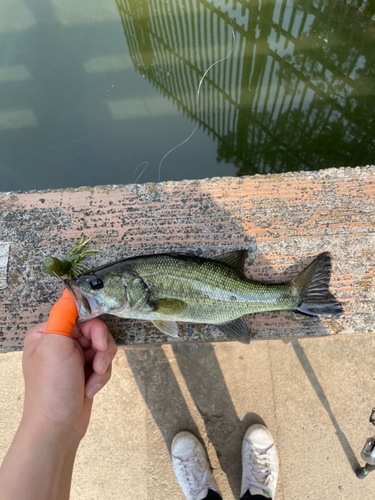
298	92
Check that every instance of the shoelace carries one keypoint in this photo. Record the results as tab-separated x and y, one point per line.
259	466
195	477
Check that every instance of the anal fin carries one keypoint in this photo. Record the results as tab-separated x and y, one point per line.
237	330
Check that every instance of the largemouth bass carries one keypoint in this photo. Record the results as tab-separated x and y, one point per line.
166	288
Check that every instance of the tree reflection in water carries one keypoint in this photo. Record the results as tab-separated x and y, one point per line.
298	92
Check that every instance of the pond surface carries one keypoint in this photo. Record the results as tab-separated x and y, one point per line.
90	90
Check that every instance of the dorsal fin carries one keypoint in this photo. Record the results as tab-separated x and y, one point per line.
234	259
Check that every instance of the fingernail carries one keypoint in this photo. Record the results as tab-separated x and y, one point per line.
93	390
105	342
104	364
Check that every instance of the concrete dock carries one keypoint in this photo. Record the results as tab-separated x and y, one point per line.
282	220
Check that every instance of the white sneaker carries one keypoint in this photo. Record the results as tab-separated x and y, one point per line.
191	466
260	464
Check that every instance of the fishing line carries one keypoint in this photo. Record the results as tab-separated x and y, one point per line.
198	109
59	277
198	92
135	171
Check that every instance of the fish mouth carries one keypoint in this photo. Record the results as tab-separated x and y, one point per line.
86	304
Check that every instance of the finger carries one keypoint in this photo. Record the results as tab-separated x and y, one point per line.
78	335
97	331
88	372
63	316
102	359
83	341
89	355
97	382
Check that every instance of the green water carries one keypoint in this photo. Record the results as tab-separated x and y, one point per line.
91	89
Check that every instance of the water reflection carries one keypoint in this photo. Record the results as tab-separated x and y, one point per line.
15	16
297	93
84	13
15	119
107	64
14	73
140	108
80	104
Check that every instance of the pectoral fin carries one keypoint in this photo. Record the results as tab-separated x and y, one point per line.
169	307
167	327
237	330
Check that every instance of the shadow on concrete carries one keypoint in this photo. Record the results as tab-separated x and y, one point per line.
305	363
161	392
205	381
209	391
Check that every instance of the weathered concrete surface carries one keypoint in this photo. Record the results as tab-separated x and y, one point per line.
4	253
283	220
315	396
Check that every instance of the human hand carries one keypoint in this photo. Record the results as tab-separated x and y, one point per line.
62	374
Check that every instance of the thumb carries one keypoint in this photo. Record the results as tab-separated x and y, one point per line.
63	316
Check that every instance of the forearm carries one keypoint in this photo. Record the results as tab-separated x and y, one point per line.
39	464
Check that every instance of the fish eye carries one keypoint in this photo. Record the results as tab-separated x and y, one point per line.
96	284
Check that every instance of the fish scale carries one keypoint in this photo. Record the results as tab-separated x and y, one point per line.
214	292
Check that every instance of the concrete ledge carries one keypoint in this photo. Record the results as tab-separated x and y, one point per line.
283	220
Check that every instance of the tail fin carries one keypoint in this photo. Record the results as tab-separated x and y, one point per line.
312	285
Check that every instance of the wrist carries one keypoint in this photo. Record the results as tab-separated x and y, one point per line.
39	462
53	434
